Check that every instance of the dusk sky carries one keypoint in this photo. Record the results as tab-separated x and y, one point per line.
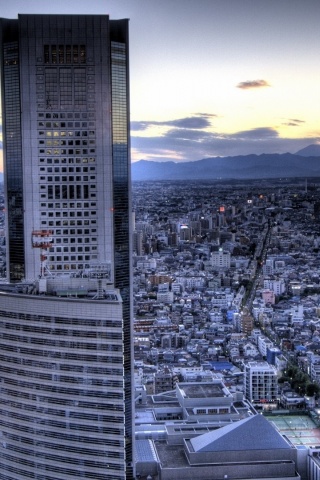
214	77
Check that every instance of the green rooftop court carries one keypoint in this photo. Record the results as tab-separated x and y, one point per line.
299	429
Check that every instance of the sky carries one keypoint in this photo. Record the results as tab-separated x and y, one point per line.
213	77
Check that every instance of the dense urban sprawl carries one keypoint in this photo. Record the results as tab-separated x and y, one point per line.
226	281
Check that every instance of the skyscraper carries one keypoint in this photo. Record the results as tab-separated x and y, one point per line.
65	107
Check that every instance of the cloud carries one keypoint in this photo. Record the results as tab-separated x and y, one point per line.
140	126
183	144
187	135
190	122
293	122
207	115
197	121
260	133
297	120
249	84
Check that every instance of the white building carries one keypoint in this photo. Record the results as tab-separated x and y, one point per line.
221	259
278	286
147	264
297	315
195	282
260	382
315	368
268	266
165	297
263	344
250	350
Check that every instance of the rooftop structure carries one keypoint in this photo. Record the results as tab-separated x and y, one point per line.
249	448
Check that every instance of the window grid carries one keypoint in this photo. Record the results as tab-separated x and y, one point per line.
63	140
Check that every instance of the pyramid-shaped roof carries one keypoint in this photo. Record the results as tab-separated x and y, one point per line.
252	433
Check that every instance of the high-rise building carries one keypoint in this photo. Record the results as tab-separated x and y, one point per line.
66	407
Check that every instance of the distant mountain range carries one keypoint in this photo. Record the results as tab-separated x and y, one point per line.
304	163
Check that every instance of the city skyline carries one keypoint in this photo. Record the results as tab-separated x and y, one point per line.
215	78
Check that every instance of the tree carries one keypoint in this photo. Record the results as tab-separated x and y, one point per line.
312	389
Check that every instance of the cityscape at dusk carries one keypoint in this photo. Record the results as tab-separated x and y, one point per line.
214	77
159	240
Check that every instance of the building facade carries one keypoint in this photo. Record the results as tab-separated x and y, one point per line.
221	259
65	107
260	382
62	409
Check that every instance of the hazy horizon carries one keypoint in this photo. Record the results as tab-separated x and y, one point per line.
215	77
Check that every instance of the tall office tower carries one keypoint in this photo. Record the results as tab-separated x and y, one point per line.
65	372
